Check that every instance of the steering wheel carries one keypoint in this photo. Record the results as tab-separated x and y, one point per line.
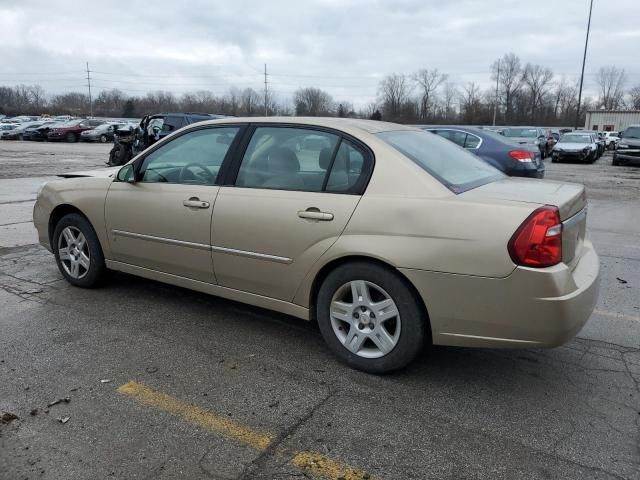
206	175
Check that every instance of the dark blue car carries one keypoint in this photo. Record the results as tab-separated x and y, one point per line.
513	159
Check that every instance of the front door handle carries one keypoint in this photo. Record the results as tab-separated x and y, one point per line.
195	202
315	214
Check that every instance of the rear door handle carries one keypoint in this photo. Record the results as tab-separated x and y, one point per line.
315	214
195	202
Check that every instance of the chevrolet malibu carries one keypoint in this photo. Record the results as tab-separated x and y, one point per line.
389	237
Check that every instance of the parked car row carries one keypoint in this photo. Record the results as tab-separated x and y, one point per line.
60	129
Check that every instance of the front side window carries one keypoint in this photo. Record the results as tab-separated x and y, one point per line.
193	158
455	168
285	158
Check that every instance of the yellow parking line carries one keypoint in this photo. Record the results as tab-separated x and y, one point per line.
622	316
316	464
321	466
197	415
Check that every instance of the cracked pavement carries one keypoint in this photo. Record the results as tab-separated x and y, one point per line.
569	412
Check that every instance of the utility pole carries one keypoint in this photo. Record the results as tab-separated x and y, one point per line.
89	85
495	105
584	59
266	111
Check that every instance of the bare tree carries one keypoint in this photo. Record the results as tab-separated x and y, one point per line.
537	79
634	97
250	102
394	93
312	102
451	93
509	81
470	102
611	82
428	81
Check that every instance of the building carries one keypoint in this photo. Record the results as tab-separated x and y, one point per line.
611	120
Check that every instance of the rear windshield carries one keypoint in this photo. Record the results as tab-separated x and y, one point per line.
520	132
451	165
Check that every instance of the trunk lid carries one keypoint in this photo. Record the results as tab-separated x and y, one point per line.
570	198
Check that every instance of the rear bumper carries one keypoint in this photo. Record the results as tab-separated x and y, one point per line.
529	308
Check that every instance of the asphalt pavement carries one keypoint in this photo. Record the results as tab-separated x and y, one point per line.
143	380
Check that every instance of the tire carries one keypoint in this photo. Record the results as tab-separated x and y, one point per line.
554	159
406	332
103	139
79	227
70	137
20	137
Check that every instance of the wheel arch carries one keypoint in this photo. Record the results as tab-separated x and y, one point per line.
58	213
322	273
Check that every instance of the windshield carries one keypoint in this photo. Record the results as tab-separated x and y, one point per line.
632	132
521	132
576	139
451	165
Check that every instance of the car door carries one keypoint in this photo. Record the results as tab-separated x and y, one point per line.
288	200
163	220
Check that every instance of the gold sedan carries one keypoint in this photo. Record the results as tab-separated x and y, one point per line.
389	237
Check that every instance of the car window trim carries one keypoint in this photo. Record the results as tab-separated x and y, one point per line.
179	133
359	187
436	130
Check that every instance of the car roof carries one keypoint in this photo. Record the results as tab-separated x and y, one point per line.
369	126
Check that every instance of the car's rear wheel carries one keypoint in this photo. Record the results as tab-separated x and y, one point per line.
78	252
370	317
70	137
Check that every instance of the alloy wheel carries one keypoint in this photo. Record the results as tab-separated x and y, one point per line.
73	252
365	319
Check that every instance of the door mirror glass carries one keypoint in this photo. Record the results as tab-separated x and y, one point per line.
126	174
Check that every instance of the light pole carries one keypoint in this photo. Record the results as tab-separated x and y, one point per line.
584	59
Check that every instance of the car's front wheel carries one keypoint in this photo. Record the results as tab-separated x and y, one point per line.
70	137
370	317
103	139
78	252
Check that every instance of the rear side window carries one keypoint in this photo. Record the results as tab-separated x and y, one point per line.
172	124
347	169
287	159
455	168
303	159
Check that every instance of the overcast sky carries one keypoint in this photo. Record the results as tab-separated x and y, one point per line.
342	46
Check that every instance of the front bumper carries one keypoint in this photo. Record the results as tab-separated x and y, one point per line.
565	155
627	155
41	222
530	308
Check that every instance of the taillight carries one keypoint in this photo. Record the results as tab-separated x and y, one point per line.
522	155
538	241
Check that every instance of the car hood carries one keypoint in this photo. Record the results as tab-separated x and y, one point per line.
100	173
570	198
572	146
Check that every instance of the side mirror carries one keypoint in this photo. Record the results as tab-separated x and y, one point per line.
127	174
131	171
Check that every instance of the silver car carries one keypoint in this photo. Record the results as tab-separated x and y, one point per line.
576	146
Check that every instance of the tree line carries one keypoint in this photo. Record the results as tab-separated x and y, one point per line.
526	94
